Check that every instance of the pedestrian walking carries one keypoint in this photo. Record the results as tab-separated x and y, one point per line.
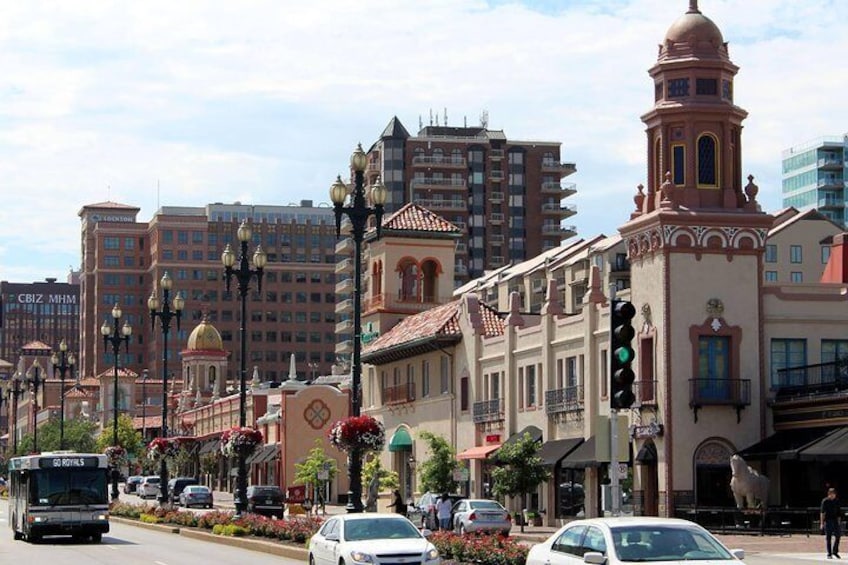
397	503
443	512
830	515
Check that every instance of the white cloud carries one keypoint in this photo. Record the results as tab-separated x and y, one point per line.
263	100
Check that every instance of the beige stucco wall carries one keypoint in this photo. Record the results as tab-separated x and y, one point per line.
808	233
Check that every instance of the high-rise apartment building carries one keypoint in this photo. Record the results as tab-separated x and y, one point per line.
123	261
814	176
505	195
47	311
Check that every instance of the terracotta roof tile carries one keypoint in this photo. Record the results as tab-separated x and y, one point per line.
413	217
123	372
90	382
39	345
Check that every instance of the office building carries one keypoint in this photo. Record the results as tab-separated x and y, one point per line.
814	176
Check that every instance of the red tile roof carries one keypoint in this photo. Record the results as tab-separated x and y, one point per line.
123	372
39	345
76	393
413	217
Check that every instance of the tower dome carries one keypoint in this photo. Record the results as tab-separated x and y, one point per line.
693	33
205	337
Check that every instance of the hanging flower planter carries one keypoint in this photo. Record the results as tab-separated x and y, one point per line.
116	455
162	447
237	441
360	433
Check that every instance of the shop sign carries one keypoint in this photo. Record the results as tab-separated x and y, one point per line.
493	438
647	431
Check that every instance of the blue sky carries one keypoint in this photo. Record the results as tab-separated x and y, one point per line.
262	101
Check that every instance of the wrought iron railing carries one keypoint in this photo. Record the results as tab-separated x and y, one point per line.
568	399
399	394
719	392
488	411
811	380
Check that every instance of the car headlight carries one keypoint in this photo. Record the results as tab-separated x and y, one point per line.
361	557
432	554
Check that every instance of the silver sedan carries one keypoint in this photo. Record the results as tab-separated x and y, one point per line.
480	515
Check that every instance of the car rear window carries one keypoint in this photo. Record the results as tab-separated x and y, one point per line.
486	505
267	491
152	480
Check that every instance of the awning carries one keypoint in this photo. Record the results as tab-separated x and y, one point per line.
582	457
832	447
209	446
647	454
784	444
535	434
401	441
552	452
479	452
271	452
263	454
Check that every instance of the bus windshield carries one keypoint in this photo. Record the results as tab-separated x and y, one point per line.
53	487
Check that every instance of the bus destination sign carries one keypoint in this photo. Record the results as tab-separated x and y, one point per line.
67	462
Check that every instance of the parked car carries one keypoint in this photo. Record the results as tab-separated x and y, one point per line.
131	486
480	515
267	500
149	487
196	495
370	538
423	512
611	541
176	486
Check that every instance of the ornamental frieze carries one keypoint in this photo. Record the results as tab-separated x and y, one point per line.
697	238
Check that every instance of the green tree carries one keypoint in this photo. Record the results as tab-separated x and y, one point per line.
128	437
79	437
521	471
306	473
437	471
389	479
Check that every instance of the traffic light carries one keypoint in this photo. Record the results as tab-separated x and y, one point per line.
621	355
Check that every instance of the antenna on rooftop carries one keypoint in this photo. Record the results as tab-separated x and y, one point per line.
446	116
465	121
420	122
484	119
431	116
437	119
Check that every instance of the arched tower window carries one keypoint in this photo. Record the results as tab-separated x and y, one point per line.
408	273
212	375
658	172
707	160
377	279
456	156
429	281
438	155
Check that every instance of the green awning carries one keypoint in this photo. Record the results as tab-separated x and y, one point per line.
401	440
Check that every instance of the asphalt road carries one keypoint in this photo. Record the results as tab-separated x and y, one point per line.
127	545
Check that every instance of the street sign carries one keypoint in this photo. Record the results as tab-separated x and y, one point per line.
460	475
324	475
622	470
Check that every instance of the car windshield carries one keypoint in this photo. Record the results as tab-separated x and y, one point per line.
380	528
485	505
666	543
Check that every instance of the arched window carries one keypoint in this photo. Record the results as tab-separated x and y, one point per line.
707	161
658	171
438	155
212	376
429	281
408	274
456	156
377	279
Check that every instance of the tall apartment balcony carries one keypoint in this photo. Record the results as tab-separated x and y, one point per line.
496	238
556	229
401	304
345	326
567	231
440	204
719	392
564	169
447	161
437	183
830	163
822	380
646	393
486	411
831	181
496	218
561	189
344	347
831	202
461	270
559	210
344	286
345	266
344	306
496	196
496	176
497	261
399	394
561	400
344	246
461	247
496	154
620	265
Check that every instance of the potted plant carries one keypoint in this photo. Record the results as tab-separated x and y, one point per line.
358	433
240	440
531	517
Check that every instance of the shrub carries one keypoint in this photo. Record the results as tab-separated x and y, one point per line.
232	530
150	519
482	549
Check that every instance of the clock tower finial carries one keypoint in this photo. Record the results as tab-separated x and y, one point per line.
693	7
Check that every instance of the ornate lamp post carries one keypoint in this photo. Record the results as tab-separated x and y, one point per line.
144	375
165	315
62	361
358	211
15	391
243	274
112	336
35	381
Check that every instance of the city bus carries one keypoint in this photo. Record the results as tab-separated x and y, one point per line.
59	493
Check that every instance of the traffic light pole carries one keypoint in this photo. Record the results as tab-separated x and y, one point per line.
615	483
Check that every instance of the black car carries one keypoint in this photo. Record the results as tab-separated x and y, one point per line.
267	500
176	486
131	486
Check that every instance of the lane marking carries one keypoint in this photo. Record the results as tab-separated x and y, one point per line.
160	563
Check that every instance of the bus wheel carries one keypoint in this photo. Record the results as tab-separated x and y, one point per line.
96	538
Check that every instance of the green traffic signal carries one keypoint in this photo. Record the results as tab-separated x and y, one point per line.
625	354
622	354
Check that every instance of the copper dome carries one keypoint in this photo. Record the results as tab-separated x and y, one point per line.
694	24
205	338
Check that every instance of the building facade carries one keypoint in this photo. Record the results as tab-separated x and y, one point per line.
814	175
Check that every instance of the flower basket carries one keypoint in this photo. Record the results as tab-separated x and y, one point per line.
362	433
237	441
162	447
116	455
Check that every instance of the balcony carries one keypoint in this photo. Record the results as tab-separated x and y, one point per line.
461	247
487	411
460	270
401	304
345	326
567	231
345	306
496	176
831	181
808	381
399	394
440	204
561	189
438	161
344	347
832	162
646	393
562	400
563	211
497	261
719	392
344	246
831	202
345	266
496	154
496	238
496	217
564	169
437	183
620	265
496	196
345	286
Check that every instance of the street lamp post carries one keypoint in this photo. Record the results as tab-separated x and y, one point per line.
112	336
165	315
144	376
62	361
35	380
358	211
15	391
243	276
313	367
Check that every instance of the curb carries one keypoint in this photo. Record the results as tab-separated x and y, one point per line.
253	544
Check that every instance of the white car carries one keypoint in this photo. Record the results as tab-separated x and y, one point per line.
630	540
375	539
480	515
149	487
